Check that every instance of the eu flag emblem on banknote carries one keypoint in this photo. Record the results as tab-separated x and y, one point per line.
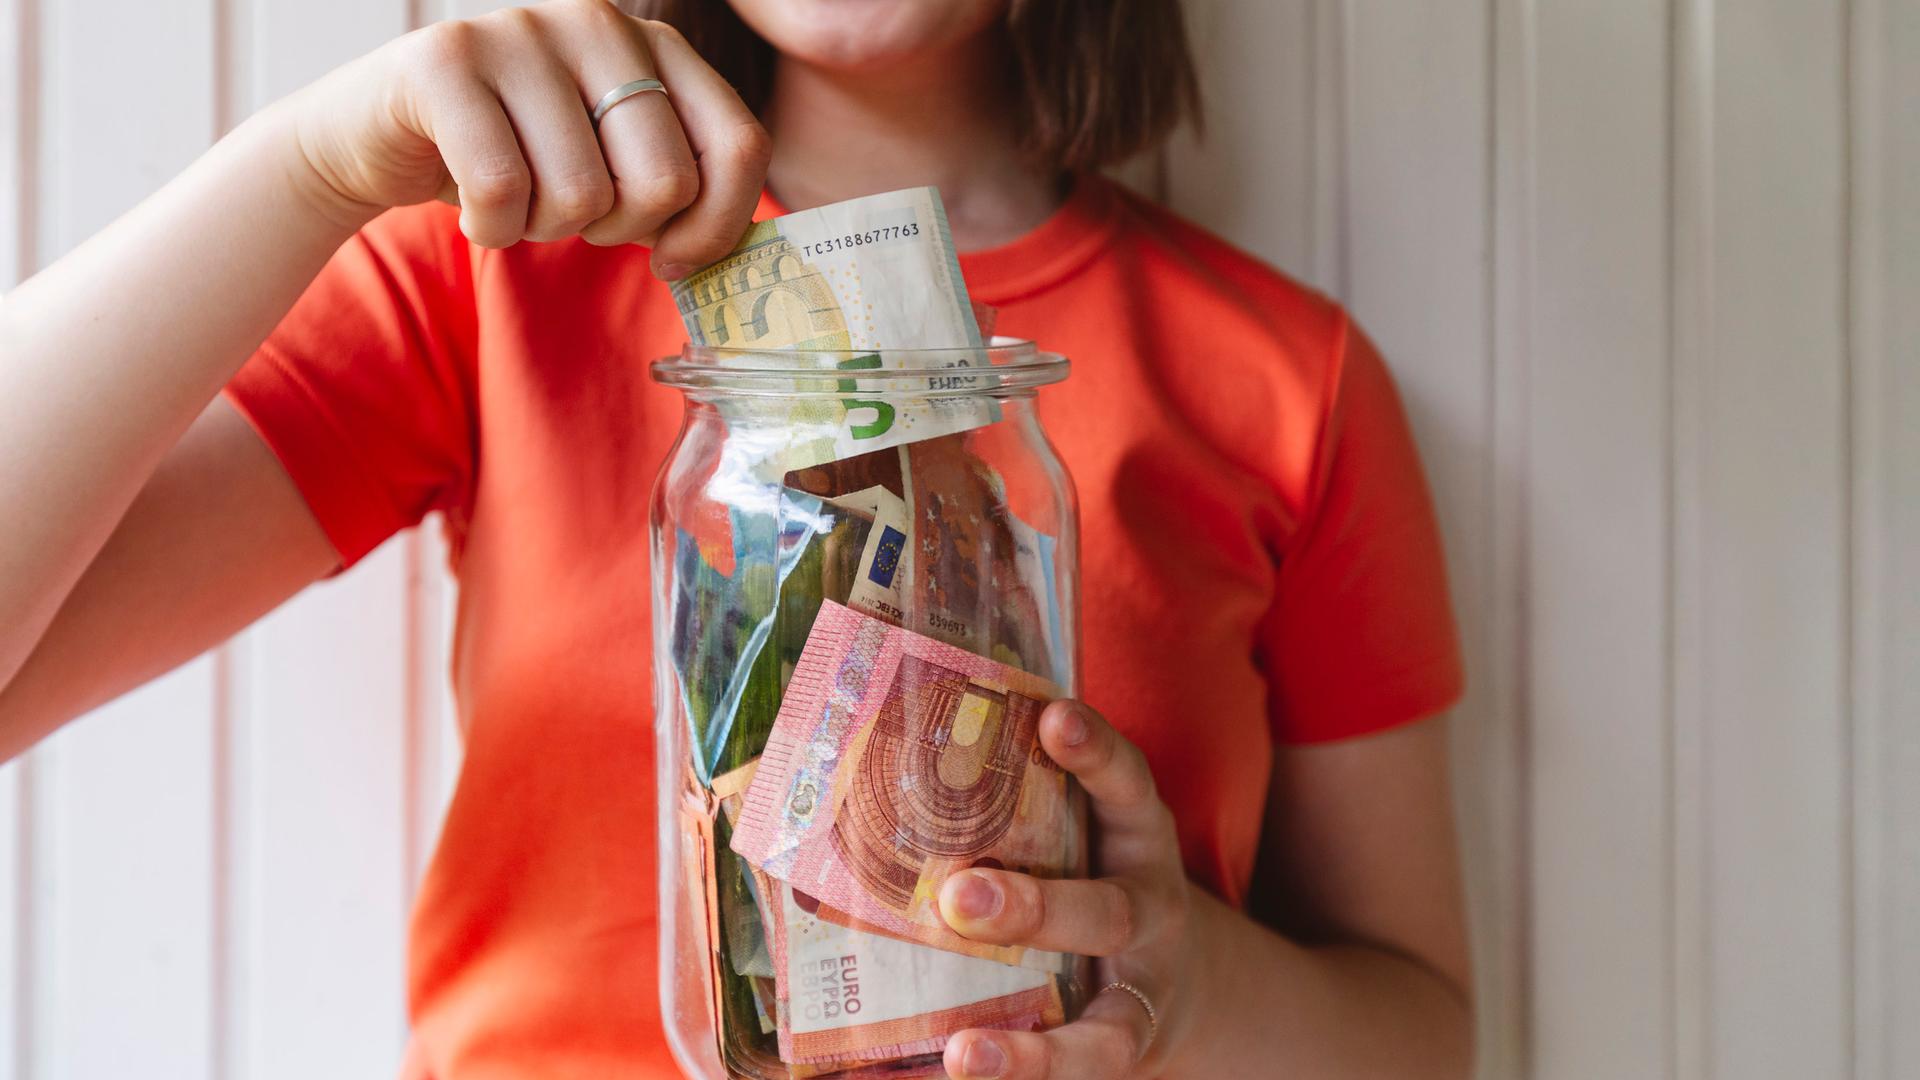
887	559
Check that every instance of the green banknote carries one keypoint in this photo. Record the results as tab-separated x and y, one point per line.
874	278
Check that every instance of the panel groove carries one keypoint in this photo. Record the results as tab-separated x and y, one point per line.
28	147
39	915
1691	331
1333	198
25	973
1874	903
1506	1020
237	859
1849	494
21	178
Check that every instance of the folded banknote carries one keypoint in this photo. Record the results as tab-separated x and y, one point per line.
872	277
896	761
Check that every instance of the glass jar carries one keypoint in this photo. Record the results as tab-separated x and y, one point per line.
865	578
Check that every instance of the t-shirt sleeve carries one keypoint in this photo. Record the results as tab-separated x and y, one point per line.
1361	636
365	391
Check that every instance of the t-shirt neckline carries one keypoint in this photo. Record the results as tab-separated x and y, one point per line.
1044	256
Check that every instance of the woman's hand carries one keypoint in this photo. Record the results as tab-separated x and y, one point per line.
1136	919
493	114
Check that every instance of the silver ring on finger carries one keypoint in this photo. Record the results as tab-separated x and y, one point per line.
621	93
1139	995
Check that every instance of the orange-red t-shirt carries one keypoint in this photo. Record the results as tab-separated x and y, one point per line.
1259	562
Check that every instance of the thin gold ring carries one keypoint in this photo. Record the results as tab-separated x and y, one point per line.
1153	1015
621	93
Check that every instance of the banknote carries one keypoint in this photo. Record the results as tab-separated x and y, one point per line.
879	576
969	584
897	760
849	996
837	534
871	277
854	996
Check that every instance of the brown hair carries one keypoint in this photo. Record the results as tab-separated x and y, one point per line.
1102	80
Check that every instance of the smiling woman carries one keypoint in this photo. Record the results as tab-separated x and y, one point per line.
1269	636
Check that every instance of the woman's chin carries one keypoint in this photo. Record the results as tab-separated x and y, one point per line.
856	35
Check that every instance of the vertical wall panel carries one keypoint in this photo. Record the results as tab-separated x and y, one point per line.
15	1021
1414	213
1348	144
1595	215
123	860
323	782
126	910
1260	89
1885	327
17	128
16	231
290	45
1769	483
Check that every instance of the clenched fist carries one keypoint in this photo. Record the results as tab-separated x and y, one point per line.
494	114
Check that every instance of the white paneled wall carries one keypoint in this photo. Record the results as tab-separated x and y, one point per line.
211	877
1645	269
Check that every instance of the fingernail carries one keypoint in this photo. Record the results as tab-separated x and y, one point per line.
671	271
977	898
1073	729
985	1059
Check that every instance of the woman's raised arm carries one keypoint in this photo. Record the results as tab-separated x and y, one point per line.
108	356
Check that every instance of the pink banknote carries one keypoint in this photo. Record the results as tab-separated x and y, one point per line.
897	760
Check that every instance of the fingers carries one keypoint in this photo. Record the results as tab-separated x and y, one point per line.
1119	784
506	101
490	177
571	185
646	152
731	150
1106	1043
1092	918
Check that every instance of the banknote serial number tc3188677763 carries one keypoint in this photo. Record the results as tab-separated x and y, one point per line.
860	239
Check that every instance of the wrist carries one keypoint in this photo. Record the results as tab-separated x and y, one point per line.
283	134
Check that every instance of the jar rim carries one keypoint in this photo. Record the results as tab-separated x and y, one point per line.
1005	364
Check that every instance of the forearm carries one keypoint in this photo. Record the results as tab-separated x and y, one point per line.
1267	1006
107	355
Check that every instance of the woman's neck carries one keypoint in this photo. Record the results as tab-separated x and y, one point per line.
945	121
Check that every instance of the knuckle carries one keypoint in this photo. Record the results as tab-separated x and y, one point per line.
664	31
1029	904
582	198
668	191
496	182
521	20
447	45
749	145
598	14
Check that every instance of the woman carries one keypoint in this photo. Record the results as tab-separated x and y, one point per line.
1262	577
